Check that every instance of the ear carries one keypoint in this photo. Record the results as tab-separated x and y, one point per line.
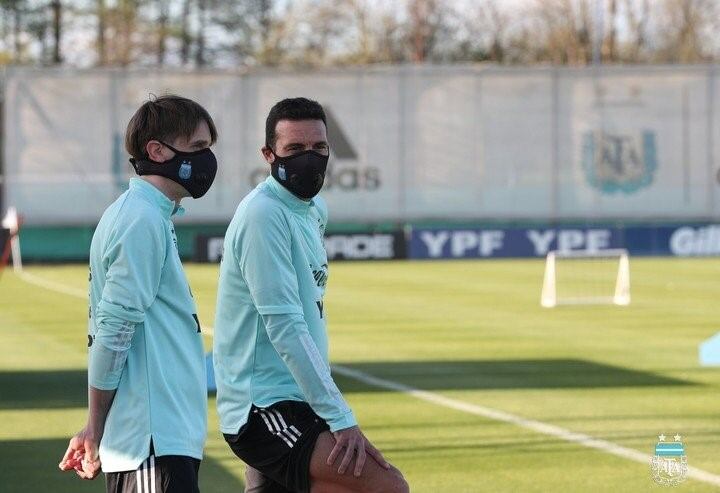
157	152
268	154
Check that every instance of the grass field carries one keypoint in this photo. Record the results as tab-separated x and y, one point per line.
470	331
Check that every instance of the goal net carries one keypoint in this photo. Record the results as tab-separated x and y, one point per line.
586	278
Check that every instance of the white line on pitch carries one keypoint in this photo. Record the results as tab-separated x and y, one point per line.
63	289
531	424
466	407
51	285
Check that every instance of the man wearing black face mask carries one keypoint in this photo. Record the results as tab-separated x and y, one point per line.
280	410
147	419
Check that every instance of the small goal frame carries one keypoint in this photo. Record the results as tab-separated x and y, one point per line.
12	222
621	296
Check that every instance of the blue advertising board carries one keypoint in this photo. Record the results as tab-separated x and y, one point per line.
496	242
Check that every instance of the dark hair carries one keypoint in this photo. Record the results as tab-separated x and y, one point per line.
165	118
294	109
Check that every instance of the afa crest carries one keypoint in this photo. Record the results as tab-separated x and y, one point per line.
185	170
619	162
669	464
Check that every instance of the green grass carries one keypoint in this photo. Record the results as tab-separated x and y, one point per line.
472	331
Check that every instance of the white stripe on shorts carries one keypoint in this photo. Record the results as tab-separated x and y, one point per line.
267	422
280	418
295	430
152	474
284	430
274	421
287	433
271	416
145	477
289	443
138	482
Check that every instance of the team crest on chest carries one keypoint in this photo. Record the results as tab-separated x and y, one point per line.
320	274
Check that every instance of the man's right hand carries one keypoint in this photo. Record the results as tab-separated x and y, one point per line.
354	442
82	455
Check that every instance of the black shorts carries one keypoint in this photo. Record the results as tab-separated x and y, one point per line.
164	474
278	441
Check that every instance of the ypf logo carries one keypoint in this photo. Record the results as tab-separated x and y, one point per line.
669	464
344	173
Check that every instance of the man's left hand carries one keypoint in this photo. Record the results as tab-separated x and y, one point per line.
82	455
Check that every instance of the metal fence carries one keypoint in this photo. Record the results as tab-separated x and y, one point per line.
409	143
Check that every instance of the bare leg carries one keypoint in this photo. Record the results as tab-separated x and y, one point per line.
374	478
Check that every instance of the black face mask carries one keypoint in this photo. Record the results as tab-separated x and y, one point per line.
195	171
302	173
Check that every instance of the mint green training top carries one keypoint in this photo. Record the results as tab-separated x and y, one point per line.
144	334
270	340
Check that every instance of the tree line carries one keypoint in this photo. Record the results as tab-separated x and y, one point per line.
316	33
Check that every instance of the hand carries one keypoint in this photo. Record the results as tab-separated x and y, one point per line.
82	455
353	441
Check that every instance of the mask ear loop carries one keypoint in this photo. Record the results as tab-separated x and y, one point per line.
134	161
170	147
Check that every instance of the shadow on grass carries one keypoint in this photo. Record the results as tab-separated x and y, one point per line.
504	375
57	389
31	465
44	389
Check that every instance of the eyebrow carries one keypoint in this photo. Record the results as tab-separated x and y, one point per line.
200	144
300	144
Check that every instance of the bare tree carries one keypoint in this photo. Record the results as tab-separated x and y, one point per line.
185	37
15	10
200	38
610	43
117	27
330	32
162	30
316	33
564	31
321	31
100	34
119	32
638	15
426	19
685	27
497	23
380	34
264	13
390	39
371	34
251	30
486	34
364	51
